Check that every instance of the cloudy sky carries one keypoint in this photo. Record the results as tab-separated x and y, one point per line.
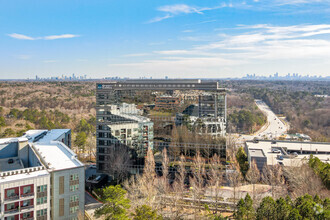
157	38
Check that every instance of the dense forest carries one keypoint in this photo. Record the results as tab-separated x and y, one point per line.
49	105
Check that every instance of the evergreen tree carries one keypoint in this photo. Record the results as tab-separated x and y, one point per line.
267	209
305	206
81	139
115	204
145	212
240	210
250	212
294	215
282	209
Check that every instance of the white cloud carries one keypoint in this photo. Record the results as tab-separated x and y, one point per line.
180	8
20	36
177	9
62	36
50	37
259	47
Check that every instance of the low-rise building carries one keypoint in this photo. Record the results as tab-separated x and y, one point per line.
40	177
286	153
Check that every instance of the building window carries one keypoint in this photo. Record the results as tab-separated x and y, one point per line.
117	133
42	188
11	193
74	209
11	206
41	212
26	189
74	198
42	200
27	215
74	188
10	218
74	177
26	203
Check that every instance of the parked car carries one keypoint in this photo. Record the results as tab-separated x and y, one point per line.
277	151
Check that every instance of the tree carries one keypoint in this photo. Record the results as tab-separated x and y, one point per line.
2	121
242	160
240	210
81	139
282	209
273	175
294	215
250	212
305	206
197	181
145	212
253	176
215	176
267	209
244	209
119	161
234	175
115	204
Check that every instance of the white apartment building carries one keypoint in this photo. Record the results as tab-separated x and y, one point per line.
40	177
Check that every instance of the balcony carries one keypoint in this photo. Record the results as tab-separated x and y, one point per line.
12	197
23	208
27	194
12	211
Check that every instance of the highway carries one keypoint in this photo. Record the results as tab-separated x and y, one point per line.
273	129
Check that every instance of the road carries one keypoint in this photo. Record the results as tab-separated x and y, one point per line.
273	129
91	205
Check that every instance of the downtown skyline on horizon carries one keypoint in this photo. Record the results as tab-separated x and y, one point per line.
177	39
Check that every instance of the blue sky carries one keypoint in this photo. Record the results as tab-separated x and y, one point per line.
157	38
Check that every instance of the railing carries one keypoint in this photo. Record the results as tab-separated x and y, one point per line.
13	197
27	194
42	217
27	207
12	211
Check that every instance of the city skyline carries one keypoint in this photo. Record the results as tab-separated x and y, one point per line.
186	39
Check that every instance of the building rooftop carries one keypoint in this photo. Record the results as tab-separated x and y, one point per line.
22	174
57	156
52	135
33	135
287	148
10	163
45	150
257	152
11	140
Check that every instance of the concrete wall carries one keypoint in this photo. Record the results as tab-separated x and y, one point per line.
67	193
8	150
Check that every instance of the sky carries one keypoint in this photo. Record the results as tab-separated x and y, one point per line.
158	38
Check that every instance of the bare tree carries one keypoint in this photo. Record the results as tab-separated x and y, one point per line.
215	179
253	176
273	175
119	161
234	176
198	180
302	180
